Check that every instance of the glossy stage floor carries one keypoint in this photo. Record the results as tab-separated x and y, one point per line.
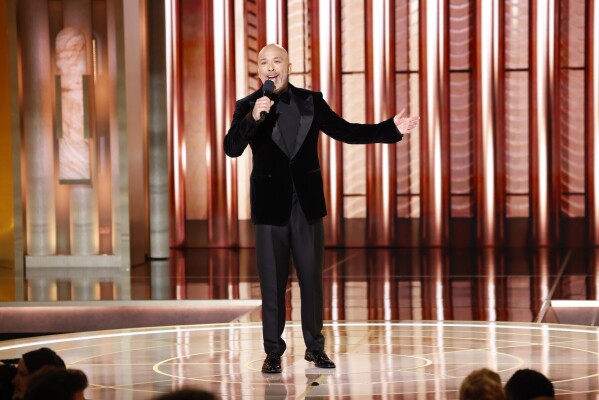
401	323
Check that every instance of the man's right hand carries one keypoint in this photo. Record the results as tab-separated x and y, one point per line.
262	104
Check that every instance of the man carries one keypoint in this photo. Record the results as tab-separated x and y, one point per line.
51	383
482	384
528	384
31	362
286	194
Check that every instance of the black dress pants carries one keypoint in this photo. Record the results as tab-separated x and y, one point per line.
305	241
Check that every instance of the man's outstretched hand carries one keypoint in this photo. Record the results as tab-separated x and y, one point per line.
405	124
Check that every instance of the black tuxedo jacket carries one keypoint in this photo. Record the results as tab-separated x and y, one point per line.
276	170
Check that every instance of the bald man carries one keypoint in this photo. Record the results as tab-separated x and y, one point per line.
287	197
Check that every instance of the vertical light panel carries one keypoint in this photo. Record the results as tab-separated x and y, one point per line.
569	144
324	26
298	43
104	185
353	65
222	200
434	186
157	133
462	33
135	67
541	95
592	118
380	158
175	138
330	150
408	96
243	163
515	34
487	44
274	21
229	108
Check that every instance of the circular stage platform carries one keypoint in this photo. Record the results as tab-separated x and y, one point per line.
382	360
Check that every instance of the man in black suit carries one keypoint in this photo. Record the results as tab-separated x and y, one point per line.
286	193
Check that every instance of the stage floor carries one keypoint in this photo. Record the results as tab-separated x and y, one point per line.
401	323
375	360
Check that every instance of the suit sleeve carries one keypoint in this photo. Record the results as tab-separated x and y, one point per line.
241	131
352	133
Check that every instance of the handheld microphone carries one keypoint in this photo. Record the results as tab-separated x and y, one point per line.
267	88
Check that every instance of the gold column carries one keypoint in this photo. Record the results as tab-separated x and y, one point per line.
331	155
542	72
134	25
487	70
158	167
434	109
104	184
242	166
592	117
223	226
11	224
37	127
381	186
179	144
118	134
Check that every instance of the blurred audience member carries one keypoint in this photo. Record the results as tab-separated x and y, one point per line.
31	362
188	394
482	384
528	384
8	370
51	383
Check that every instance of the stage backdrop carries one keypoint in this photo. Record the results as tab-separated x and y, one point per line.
118	111
507	93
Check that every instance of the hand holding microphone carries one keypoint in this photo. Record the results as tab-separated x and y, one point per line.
263	104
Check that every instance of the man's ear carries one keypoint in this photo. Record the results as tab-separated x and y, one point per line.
289	69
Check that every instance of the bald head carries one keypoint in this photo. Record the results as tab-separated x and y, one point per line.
273	47
273	64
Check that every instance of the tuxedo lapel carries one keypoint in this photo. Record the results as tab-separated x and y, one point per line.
306	108
276	135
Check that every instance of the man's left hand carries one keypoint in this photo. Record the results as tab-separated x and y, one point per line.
405	124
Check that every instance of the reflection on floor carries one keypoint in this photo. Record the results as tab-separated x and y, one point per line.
361	284
402	323
376	360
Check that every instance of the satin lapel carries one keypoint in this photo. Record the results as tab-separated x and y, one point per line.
277	137
306	108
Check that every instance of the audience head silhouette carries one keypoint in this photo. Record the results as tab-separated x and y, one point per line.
528	384
7	374
31	362
51	383
188	394
482	384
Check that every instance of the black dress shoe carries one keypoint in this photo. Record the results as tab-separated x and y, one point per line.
272	363
319	358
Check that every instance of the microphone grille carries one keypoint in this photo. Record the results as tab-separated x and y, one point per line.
268	87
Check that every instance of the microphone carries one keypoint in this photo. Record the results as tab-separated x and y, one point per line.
267	88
